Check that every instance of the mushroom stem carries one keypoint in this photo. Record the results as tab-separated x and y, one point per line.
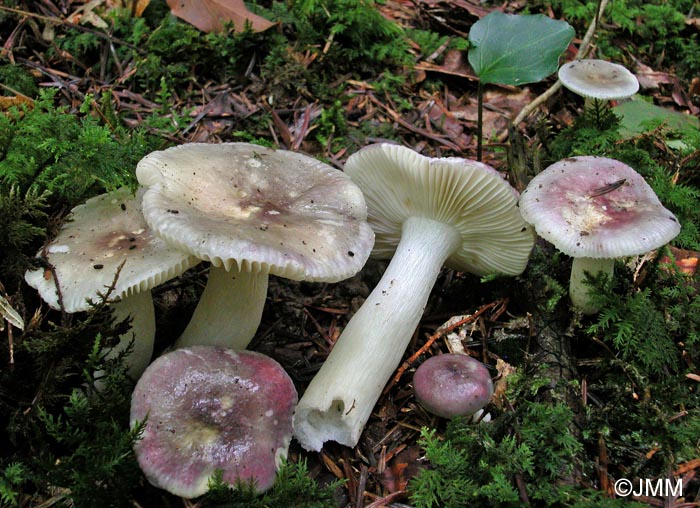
138	307
578	290
229	311
340	398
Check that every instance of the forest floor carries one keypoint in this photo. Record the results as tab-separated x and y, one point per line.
88	88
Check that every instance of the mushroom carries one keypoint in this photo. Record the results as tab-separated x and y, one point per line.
426	212
104	238
598	79
451	385
207	409
252	211
595	209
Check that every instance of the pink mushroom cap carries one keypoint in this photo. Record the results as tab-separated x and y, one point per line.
451	385
596	207
208	409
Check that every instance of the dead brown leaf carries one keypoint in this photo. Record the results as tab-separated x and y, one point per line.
455	64
8	102
212	15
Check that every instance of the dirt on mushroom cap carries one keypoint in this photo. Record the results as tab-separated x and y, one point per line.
596	207
209	409
238	203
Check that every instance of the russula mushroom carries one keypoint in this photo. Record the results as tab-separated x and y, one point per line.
426	213
598	79
452	385
252	211
595	209
104	235
209	409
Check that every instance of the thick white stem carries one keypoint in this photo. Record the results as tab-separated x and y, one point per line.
578	290
139	307
340	398
229	311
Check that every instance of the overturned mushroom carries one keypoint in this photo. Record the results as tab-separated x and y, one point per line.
426	212
252	212
105	235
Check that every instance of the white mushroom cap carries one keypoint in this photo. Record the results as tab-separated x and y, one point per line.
470	196
101	234
598	79
239	204
596	207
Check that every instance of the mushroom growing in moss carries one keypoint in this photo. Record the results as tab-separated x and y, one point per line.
209	409
595	209
426	213
104	235
599	82
252	212
451	385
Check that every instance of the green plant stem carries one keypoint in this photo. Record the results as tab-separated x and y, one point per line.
479	121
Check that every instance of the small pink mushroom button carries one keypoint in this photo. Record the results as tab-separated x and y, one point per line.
209	409
452	385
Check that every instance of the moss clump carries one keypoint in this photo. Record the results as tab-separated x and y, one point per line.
50	148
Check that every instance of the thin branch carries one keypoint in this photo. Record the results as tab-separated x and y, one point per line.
583	50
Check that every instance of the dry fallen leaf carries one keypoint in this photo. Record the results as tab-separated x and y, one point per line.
211	15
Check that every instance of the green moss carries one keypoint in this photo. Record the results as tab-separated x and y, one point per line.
16	79
493	464
48	148
294	488
657	29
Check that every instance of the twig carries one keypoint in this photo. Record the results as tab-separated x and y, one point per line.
431	340
582	52
68	24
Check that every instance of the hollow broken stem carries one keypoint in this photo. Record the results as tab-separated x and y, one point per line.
340	398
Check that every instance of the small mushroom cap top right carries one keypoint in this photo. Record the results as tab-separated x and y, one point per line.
598	79
596	207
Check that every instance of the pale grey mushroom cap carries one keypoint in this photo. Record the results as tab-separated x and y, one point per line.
100	235
598	79
597	207
399	183
258	208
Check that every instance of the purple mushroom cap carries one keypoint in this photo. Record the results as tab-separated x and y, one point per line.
208	409
451	385
596	207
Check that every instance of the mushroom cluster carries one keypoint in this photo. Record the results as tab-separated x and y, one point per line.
426	213
595	209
